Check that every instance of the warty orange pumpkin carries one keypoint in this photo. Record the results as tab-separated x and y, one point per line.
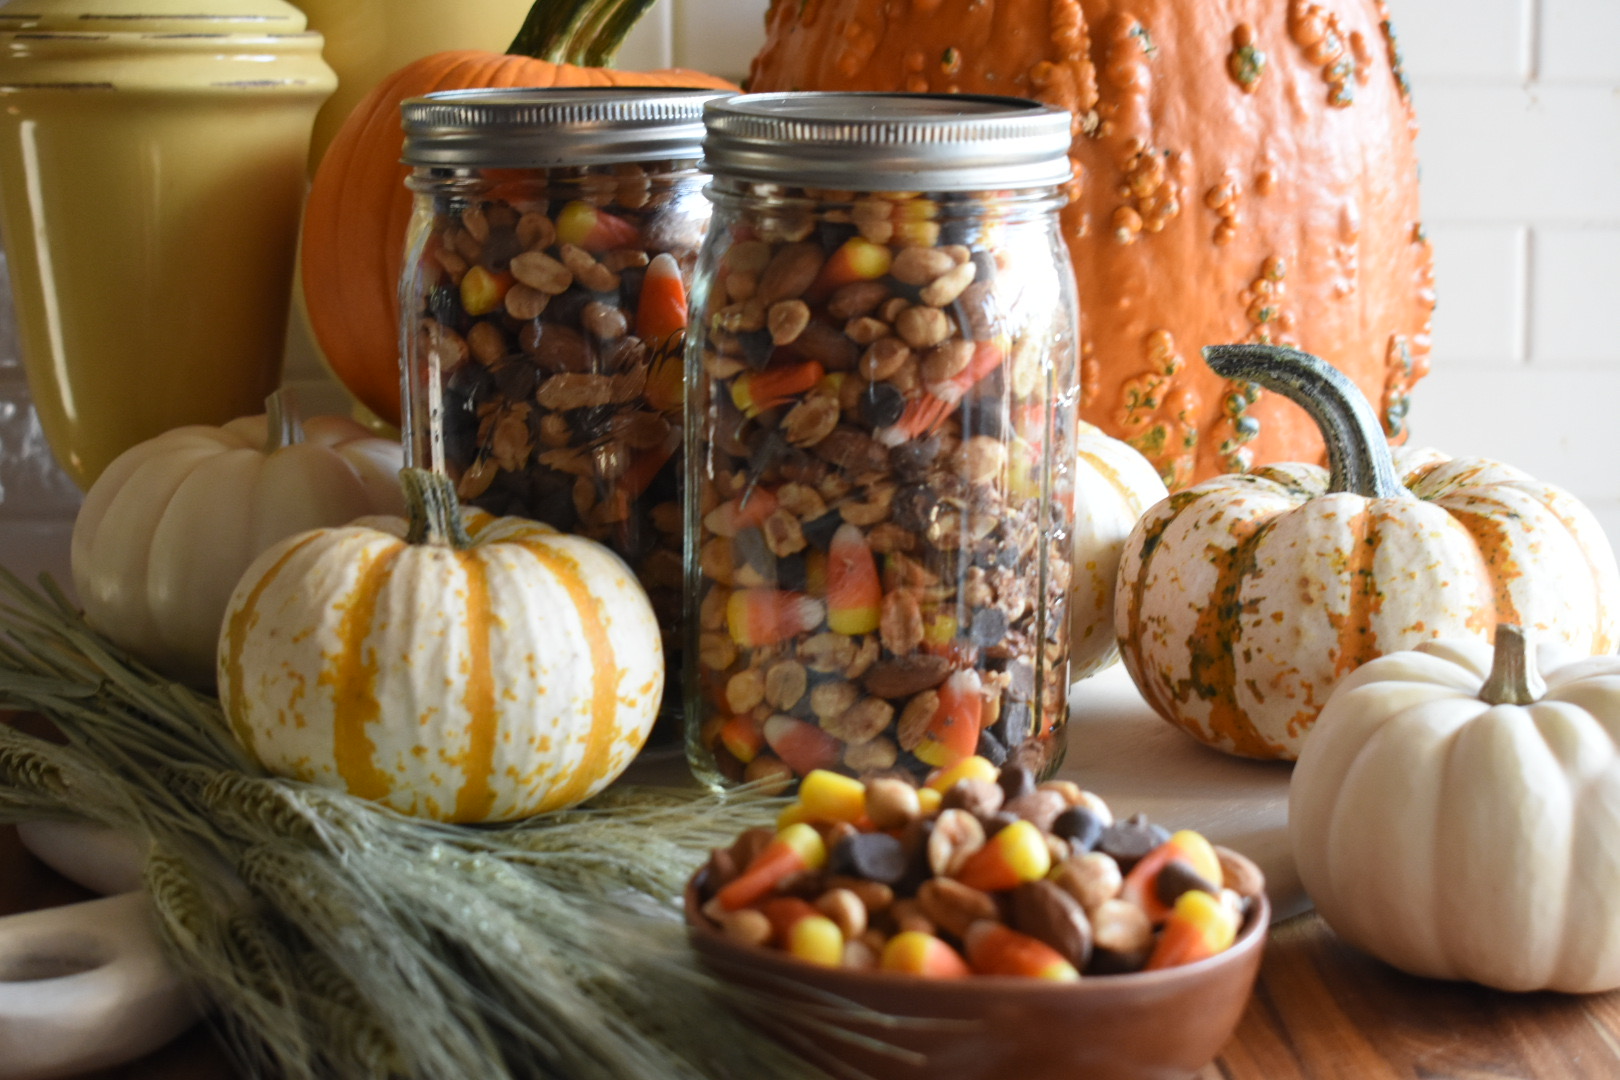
1243	600
470	670
1245	171
359	207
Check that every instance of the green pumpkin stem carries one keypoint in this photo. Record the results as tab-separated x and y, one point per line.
281	422
586	32
433	510
1358	452
1514	679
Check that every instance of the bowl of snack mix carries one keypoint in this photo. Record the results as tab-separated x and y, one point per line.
983	926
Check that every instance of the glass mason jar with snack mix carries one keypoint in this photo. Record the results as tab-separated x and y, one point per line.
544	309
881	418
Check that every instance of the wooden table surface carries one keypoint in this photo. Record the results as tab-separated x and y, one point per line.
1321	1011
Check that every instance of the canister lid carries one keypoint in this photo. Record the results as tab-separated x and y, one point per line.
869	141
541	128
199	17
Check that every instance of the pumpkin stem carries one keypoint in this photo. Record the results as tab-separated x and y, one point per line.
433	510
1358	452
1514	679
587	32
281	422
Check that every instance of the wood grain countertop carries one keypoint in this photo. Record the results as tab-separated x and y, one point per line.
1321	1011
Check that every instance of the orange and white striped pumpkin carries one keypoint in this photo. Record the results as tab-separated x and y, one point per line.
1245	599
478	671
1113	485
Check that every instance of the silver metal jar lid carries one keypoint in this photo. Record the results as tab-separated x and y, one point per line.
543	128
897	142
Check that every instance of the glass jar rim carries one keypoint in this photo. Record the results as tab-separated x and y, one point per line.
544	127
888	141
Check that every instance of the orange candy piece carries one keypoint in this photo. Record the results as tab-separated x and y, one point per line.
854	594
661	311
916	953
953	733
994	949
1016	854
803	746
755	391
795	848
594	229
1198	927
762	616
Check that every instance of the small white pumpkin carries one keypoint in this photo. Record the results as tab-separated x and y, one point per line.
1458	816
1113	485
166	531
470	670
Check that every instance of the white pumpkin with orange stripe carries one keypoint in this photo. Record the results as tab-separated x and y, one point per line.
484	669
1113	485
1242	601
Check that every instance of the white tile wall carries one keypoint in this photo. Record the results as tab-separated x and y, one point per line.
1520	105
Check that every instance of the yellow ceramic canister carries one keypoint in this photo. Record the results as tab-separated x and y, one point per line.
368	40
151	176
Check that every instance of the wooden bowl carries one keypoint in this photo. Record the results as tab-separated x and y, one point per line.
1150	1025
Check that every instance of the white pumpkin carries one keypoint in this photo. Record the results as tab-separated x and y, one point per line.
166	531
470	671
1114	484
1458	816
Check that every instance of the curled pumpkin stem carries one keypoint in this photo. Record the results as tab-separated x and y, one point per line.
587	32
1514	679
433	510
1358	452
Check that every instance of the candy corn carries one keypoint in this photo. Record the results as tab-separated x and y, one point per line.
802	931
1199	927
762	616
854	595
661	312
917	953
1016	854
995	949
755	391
1141	884
829	797
927	412
744	737
953	733
793	849
483	290
593	229
803	746
746	510
857	259
969	768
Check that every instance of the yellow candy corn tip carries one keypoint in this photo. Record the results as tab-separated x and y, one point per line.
971	768
817	939
1024	848
806	842
830	796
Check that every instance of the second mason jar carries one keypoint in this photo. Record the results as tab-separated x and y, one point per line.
544	308
881	420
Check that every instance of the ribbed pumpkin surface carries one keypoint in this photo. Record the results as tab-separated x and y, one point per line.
519	675
1246	172
1244	600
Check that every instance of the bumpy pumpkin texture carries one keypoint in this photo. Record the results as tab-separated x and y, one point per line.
1454	813
478	676
359	206
1245	172
167	530
1243	600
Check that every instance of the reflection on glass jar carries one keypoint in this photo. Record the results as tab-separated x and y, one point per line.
545	311
881	425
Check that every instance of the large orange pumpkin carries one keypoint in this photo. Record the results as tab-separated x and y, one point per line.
1245	172
354	224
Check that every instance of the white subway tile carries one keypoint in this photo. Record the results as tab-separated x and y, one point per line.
718	36
1512	154
1557	425
1578	40
1491	41
1479	278
30	548
651	44
1574	296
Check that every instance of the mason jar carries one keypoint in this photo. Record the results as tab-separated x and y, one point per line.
880	421
544	311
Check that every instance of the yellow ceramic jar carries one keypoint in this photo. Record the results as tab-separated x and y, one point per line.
151	176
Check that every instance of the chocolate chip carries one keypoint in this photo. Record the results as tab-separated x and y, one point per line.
1014	726
1016	781
1176	877
819	532
1080	826
882	404
998	821
1127	841
911	460
990	748
874	856
756	346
